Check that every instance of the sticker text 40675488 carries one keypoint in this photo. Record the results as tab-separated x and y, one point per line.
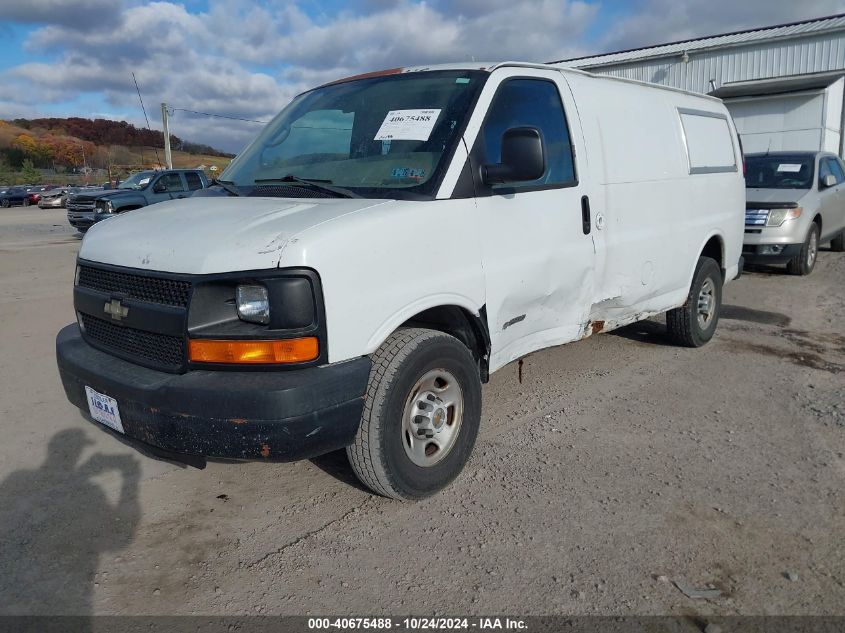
407	125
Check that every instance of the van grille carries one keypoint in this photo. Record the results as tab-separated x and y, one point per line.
169	292
162	350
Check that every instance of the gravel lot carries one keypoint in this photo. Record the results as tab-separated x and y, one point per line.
618	467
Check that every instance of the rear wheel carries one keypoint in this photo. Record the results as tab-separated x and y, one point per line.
837	244
421	415
694	323
804	262
26	202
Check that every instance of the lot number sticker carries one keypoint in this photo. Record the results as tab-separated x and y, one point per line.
791	168
407	125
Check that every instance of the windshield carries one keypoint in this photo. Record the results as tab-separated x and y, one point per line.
385	137
137	181
779	171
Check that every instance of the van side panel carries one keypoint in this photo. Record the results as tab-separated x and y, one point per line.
657	215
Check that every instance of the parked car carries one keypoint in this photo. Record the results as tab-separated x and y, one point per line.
12	195
53	198
139	190
796	202
32	197
387	243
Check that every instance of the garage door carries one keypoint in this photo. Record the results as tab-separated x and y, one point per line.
781	122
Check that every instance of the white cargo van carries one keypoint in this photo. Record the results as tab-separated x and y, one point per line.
386	243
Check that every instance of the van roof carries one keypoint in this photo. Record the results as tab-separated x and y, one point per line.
491	66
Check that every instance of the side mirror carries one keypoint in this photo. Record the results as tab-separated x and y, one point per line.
159	187
523	157
829	181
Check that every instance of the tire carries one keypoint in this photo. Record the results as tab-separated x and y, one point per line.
25	202
694	323
804	262
837	244
403	380
4	203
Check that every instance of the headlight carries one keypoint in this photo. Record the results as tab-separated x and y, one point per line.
253	303
778	216
105	206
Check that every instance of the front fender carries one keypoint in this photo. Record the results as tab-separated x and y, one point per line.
128	202
399	317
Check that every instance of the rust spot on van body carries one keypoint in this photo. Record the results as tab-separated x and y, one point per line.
265	450
238	421
596	326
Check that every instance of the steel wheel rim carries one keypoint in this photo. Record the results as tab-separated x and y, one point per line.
431	420
706	305
813	249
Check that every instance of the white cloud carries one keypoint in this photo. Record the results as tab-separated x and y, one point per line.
208	61
661	21
246	59
79	14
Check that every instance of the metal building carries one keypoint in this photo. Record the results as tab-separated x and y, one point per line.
783	84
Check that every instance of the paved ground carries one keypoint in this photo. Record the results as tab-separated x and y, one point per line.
620	465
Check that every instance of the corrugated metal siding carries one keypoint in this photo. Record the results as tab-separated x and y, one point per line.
722	41
812	53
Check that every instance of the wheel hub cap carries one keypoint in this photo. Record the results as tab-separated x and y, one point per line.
432	418
706	304
812	250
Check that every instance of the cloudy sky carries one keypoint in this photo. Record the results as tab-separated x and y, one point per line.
248	58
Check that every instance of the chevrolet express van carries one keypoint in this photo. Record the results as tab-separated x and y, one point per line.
385	244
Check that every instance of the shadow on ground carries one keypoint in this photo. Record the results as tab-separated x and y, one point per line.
57	522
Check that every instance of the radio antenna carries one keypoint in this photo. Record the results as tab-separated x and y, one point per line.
144	110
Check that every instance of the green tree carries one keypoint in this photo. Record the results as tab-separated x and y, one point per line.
28	172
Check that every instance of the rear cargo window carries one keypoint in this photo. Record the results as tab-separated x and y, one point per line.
708	142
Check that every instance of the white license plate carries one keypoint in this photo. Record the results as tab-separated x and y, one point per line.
104	409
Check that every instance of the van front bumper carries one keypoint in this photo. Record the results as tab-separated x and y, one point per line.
279	415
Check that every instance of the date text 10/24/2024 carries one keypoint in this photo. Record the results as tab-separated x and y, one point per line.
417	624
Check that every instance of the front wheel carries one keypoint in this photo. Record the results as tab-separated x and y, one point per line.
804	262
4	203
837	244
26	202
421	415
694	323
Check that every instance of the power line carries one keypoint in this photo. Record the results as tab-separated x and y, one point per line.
219	116
144	110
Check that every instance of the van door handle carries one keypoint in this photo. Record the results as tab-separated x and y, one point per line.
586	222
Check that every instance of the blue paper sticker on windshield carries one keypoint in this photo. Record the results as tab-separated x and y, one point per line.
408	172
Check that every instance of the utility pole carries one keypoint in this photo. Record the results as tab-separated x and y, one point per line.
167	156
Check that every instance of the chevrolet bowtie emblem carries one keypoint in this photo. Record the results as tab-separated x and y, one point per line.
116	309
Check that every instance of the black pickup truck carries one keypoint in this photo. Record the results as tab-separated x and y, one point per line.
139	190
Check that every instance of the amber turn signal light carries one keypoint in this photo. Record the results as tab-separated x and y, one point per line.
292	350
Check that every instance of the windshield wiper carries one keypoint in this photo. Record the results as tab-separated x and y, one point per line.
228	186
324	185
